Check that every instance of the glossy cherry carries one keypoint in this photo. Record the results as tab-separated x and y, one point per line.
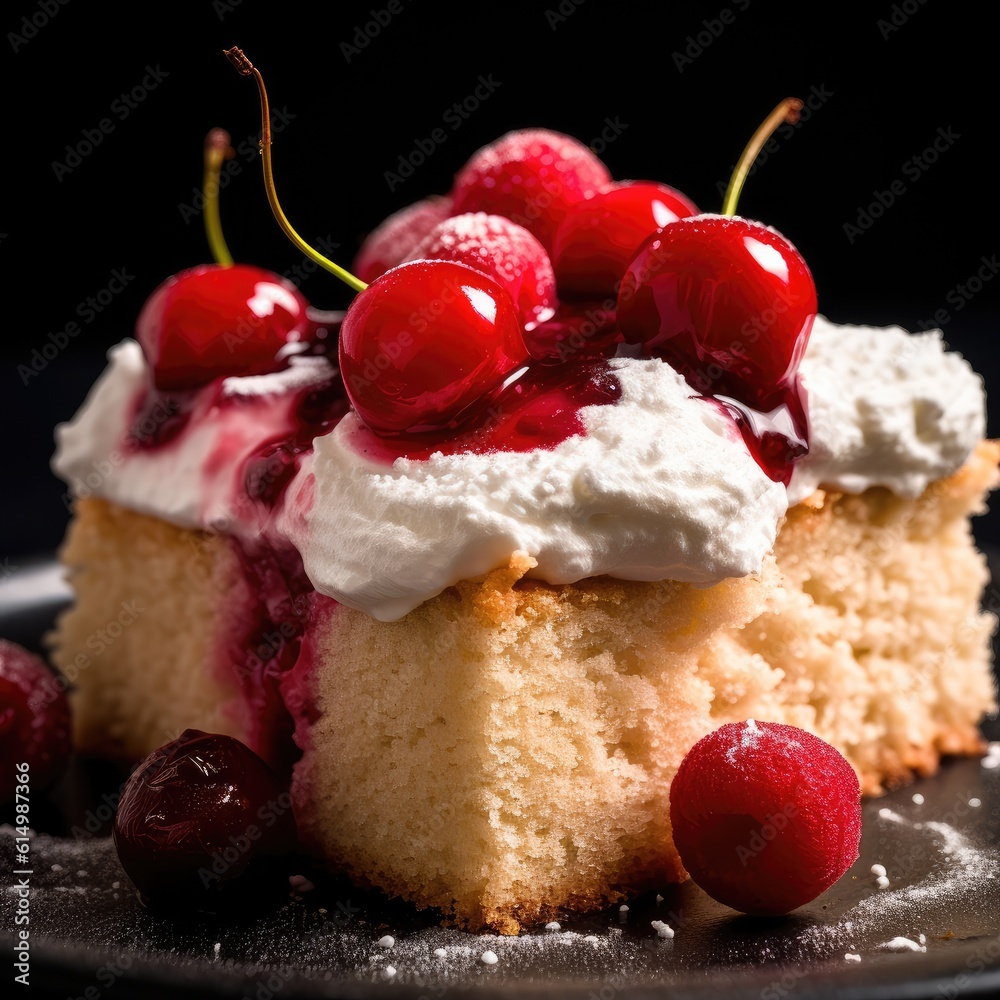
532	177
212	321
390	243
34	721
196	816
727	301
598	237
425	342
502	250
765	816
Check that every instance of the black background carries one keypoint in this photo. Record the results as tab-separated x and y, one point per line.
685	94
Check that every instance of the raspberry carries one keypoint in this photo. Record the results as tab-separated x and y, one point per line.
34	721
765	816
391	241
532	177
501	249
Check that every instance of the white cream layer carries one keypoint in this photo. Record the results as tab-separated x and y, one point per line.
660	487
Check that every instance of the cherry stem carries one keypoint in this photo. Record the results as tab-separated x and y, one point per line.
237	57
787	111
217	150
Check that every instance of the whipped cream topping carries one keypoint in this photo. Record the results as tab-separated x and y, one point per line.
193	481
661	486
886	408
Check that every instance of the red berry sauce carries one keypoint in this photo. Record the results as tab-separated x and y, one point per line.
765	816
538	407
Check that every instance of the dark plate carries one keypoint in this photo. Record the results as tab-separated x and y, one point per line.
90	937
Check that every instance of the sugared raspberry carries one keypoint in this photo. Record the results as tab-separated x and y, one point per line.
391	241
34	721
530	176
765	816
501	249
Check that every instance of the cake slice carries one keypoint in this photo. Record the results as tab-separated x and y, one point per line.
504	752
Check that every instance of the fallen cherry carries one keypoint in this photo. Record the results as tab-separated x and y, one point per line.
765	816
200	816
35	730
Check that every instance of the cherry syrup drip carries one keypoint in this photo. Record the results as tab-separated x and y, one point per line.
538	407
776	439
159	416
582	328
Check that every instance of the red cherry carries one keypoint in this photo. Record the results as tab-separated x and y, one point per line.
212	321
390	243
425	342
502	250
730	304
34	721
726	300
765	816
598	237
532	177
196	816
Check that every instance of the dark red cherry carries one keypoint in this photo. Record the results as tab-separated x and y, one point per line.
598	237
531	176
390	242
501	249
211	321
425	342
35	737
197	818
765	816
728	302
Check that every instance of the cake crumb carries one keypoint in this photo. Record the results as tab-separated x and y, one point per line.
878	870
390	971
553	925
663	930
299	883
386	942
852	957
659	898
918	799
489	958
